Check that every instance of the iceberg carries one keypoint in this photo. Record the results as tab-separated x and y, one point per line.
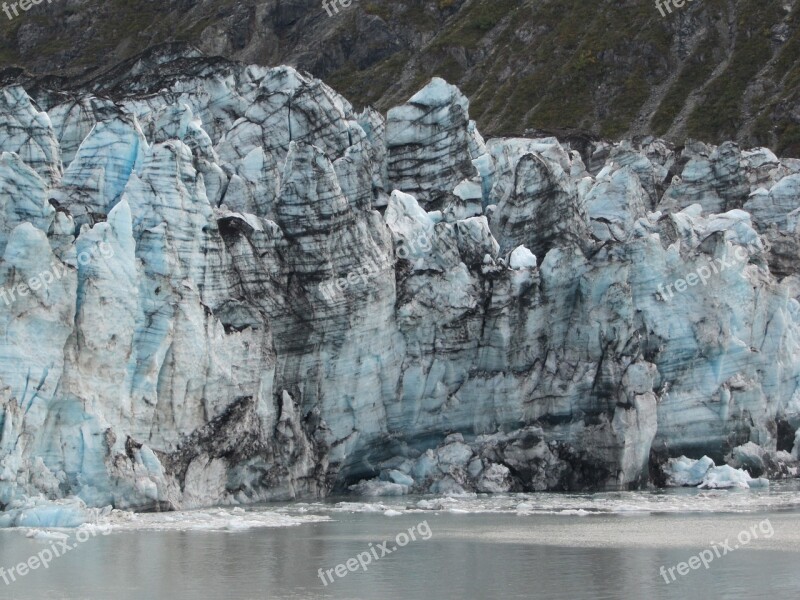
704	474
687	472
40	513
727	477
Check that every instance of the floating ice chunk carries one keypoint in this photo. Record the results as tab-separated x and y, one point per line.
204	521
359	507
377	488
43	535
392	513
40	513
240	525
429	505
726	477
685	471
703	473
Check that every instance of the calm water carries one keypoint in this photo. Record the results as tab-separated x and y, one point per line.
470	553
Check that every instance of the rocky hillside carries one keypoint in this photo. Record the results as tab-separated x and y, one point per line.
713	70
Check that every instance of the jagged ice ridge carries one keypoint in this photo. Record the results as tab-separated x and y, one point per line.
512	334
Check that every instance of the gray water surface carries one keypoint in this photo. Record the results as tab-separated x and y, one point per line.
469	556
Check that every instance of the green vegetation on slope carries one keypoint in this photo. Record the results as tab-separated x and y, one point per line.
612	67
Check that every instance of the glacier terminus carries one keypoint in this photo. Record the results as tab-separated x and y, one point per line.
258	292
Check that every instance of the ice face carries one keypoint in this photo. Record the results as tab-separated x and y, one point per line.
241	290
29	133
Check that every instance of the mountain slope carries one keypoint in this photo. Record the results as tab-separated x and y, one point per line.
714	70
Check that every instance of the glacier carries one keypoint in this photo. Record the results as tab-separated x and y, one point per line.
223	284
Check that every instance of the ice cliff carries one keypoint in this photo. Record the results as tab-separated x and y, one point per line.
222	284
